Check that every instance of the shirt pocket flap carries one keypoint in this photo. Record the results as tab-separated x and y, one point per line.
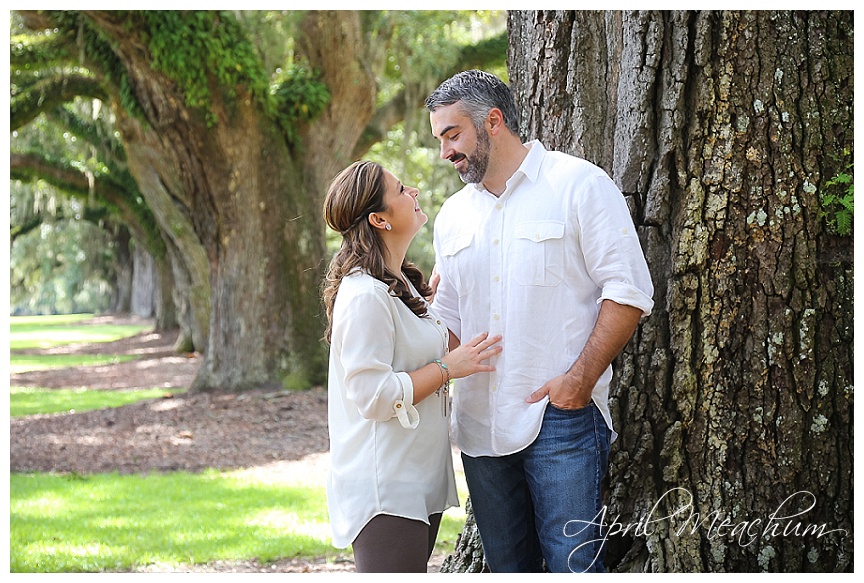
539	230
454	245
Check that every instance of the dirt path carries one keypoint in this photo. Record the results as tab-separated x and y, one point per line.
278	435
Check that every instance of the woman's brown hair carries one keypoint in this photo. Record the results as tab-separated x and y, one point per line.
356	192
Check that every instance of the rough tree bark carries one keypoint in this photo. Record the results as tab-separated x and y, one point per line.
734	399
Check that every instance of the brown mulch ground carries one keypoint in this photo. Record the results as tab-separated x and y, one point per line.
273	433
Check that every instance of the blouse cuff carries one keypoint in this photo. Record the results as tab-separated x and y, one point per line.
403	409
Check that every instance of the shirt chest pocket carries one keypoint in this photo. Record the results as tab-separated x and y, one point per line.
455	256
537	255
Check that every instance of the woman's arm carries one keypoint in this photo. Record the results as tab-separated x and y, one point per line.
364	340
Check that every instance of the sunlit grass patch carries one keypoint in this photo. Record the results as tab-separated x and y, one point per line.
48	336
28	362
453	520
36	400
114	522
55	320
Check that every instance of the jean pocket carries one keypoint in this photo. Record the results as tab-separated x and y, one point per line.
571	411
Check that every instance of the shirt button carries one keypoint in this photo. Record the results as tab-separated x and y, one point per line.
536	236
499	206
494	388
496	278
496	241
496	316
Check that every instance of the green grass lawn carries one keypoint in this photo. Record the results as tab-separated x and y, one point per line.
28	362
113	522
49	331
56	320
40	332
35	400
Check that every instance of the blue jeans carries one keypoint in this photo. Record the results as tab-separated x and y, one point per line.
545	501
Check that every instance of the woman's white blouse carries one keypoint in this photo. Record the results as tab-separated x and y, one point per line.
387	456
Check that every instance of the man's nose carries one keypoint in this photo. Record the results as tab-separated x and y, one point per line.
446	151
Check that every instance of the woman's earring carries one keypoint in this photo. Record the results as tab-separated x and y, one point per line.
387	226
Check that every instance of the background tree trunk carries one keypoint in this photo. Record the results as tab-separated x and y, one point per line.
239	190
144	283
225	194
164	305
734	399
125	271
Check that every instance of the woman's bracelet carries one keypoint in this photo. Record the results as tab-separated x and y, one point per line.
444	371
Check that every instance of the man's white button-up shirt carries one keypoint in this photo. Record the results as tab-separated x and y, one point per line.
533	265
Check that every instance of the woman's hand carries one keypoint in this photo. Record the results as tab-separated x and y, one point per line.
468	358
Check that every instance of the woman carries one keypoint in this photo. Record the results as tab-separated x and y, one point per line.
391	471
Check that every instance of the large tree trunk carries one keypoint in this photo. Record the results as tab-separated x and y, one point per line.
238	186
734	399
236	190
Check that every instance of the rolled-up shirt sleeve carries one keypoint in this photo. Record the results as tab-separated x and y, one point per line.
364	334
613	255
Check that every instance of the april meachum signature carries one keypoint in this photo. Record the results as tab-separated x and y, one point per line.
779	523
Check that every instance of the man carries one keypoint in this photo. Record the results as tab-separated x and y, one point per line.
539	247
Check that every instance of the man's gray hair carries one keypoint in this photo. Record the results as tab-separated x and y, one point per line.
478	93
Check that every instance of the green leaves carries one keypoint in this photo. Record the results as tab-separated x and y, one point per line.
193	47
299	97
838	202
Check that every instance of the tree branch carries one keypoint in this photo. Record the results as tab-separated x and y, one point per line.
487	52
93	215
49	93
22	229
98	135
136	215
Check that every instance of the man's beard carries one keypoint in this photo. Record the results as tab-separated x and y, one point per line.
477	163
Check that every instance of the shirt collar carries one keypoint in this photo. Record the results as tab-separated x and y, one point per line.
529	168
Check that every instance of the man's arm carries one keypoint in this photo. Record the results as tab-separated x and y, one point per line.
615	325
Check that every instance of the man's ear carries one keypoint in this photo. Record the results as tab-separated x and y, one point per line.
495	121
